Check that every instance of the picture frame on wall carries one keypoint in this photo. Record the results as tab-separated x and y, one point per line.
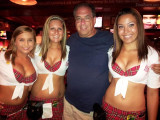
112	20
2	27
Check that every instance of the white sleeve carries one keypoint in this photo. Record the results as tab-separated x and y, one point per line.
153	78
110	52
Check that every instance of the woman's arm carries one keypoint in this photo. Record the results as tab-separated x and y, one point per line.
110	77
152	103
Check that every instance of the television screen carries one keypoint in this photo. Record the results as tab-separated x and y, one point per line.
98	22
3	35
158	22
150	21
111	30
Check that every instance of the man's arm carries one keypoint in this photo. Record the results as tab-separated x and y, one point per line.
156	67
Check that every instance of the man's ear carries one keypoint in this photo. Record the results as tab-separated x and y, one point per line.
94	20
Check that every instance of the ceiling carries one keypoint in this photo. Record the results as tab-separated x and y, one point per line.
36	15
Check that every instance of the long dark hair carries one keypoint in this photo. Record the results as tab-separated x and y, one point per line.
141	43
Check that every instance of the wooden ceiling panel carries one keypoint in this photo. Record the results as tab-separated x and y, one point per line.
37	14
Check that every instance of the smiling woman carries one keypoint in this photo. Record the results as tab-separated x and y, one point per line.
56	31
129	66
17	73
51	60
127	29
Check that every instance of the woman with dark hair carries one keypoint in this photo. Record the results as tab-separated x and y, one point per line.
130	62
51	59
17	73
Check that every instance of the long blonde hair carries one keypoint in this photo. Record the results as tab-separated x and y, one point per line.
12	50
45	37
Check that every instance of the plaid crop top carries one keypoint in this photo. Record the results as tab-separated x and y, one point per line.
142	74
21	79
130	72
52	68
43	67
11	77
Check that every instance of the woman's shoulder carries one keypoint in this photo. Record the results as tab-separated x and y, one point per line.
152	51
110	50
2	55
67	48
3	61
37	50
2	52
153	55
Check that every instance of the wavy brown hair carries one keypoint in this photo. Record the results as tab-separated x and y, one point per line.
11	52
141	43
45	37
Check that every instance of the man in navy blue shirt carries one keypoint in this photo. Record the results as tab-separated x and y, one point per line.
87	76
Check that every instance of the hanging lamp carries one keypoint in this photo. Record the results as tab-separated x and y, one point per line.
24	2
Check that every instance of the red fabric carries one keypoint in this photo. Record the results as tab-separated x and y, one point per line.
21	79
52	68
14	112
130	72
56	110
116	114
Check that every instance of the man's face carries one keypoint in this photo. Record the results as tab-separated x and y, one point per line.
85	22
149	21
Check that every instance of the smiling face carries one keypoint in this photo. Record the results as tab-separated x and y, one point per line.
24	43
55	31
149	21
85	22
127	28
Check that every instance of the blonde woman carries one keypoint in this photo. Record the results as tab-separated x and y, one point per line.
51	59
17	73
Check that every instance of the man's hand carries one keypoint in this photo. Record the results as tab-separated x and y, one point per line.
156	68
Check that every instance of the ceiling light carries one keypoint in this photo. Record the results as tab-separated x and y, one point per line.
151	0
24	2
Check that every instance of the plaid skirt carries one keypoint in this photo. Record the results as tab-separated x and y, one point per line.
13	112
113	113
57	107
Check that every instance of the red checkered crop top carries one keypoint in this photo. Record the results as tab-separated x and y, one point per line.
52	68
21	79
130	72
